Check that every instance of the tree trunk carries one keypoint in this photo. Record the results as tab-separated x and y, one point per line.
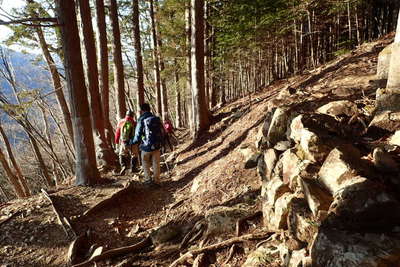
178	110
189	97
58	88
138	52
21	179
85	170
103	67
117	60
104	153
202	115
11	176
157	77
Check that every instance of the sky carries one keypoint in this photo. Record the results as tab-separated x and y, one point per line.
7	5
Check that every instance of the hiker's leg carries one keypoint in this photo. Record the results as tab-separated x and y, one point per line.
156	165
146	157
168	141
134	158
123	154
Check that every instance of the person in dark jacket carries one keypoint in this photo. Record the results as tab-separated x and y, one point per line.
148	134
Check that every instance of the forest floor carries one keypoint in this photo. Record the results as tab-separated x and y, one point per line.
33	236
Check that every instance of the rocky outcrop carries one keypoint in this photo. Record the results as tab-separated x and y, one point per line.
384	62
334	248
316	186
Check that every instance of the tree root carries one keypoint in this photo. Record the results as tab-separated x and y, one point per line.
116	252
194	252
64	222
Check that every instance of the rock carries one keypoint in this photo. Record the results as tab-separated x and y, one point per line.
384	62
297	258
273	190
317	198
270	158
278	220
313	146
363	205
262	168
261	140
262	256
165	233
337	108
282	146
386	120
301	223
291	167
384	162
277	129
250	154
222	220
333	248
395	139
339	168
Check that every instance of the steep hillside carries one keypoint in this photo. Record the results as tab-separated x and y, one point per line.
210	200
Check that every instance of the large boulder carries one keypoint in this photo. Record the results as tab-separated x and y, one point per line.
334	248
340	167
266	164
395	139
337	108
273	190
363	206
384	62
261	140
298	258
313	134
277	129
386	120
277	219
318	199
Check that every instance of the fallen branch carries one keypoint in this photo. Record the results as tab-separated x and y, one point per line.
106	201
116	252
192	253
64	222
10	217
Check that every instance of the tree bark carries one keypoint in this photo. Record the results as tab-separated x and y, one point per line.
19	176
85	170
201	115
157	78
178	105
103	67
58	88
117	60
188	94
11	176
104	153
138	53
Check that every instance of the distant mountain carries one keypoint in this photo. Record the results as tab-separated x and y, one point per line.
30	73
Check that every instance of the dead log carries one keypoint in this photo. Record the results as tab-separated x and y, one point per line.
105	202
194	252
63	221
116	252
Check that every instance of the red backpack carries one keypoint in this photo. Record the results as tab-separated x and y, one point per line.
168	127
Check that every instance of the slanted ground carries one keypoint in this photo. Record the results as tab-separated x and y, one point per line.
199	176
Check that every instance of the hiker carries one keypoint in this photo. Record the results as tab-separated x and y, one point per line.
127	152
168	133
149	134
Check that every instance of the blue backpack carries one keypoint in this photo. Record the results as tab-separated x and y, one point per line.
153	135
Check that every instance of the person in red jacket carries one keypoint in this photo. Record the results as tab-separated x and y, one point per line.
169	133
127	152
